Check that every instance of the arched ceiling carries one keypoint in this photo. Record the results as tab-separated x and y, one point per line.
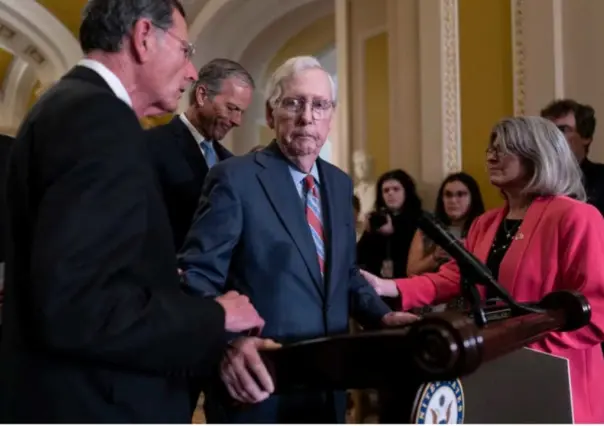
38	46
66	11
215	28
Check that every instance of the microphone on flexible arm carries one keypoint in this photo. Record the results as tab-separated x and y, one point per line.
472	270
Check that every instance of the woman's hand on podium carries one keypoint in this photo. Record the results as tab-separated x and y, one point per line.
395	319
383	287
243	372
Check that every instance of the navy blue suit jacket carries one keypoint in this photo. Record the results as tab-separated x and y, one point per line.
250	234
181	170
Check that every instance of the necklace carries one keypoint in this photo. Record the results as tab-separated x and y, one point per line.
511	233
501	244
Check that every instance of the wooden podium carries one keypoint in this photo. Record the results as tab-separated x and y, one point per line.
446	368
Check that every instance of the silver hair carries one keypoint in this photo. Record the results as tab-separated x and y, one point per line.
105	23
286	71
537	141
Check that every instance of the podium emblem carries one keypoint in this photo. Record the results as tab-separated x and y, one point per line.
439	402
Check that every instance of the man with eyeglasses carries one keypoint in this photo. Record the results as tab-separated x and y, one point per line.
578	123
278	226
96	326
188	146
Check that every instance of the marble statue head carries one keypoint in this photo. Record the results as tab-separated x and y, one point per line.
361	165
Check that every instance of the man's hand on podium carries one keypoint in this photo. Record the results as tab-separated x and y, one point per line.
394	319
239	313
243	372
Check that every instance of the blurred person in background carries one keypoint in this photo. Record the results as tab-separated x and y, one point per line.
185	149
578	123
458	203
388	231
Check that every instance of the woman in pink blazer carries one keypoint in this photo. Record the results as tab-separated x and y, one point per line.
545	238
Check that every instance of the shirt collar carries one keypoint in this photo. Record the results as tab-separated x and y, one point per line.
196	135
299	176
112	80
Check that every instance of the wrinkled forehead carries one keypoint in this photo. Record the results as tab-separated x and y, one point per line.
312	83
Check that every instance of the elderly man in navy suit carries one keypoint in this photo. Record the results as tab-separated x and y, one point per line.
279	225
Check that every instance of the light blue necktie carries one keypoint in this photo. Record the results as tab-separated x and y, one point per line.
210	153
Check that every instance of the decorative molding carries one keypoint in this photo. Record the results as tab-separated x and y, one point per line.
208	12
450	86
519	55
43	48
35	35
440	151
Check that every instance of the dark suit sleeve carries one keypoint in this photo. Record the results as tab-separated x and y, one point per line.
366	306
89	298
216	229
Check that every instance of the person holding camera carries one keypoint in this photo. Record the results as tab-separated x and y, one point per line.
384	246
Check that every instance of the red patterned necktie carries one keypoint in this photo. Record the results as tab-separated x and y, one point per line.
313	216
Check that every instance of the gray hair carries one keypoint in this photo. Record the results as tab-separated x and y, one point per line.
286	71
542	145
105	23
215	72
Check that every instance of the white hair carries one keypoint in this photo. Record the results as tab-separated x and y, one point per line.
291	67
555	170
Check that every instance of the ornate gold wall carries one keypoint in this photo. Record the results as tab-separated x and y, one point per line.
486	81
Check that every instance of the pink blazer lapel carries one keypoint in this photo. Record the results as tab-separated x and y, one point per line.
511	263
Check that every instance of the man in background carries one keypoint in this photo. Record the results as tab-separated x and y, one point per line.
578	123
96	326
186	148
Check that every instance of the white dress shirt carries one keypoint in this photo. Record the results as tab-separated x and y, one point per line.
110	78
196	135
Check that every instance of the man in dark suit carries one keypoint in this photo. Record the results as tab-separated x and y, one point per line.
578	123
279	224
96	326
186	148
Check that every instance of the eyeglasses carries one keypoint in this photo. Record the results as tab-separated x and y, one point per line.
187	47
320	108
455	194
495	150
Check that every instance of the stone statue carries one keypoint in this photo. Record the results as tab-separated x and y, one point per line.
364	183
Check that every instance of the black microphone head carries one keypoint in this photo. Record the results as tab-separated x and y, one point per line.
435	229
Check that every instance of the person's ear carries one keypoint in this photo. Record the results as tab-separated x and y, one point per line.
143	40
270	119
201	95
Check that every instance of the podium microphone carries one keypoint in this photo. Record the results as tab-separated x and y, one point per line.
465	260
472	270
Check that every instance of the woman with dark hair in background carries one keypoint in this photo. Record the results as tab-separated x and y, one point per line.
458	203
384	246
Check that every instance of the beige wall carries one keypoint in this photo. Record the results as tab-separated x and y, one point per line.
558	53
